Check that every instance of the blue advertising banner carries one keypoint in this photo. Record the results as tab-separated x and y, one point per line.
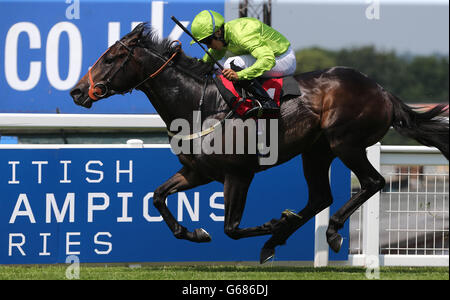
97	204
47	46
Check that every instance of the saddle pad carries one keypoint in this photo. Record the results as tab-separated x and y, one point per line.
278	88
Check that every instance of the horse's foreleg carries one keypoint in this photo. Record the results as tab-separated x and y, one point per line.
235	195
316	165
183	180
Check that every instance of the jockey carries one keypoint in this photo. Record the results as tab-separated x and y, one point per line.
256	48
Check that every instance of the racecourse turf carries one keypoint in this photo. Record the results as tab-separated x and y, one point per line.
58	272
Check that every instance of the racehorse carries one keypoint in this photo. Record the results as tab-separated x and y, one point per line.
340	113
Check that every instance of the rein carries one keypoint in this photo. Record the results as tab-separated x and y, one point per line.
154	74
207	131
202	133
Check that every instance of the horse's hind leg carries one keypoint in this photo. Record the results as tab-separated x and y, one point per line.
316	165
371	182
235	194
183	180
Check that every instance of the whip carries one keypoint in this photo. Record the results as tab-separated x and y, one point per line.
190	34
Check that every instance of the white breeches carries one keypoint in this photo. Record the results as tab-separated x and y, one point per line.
285	64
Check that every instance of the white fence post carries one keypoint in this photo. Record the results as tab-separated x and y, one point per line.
321	248
371	215
135	143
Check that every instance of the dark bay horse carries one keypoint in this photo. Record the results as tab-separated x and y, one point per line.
340	113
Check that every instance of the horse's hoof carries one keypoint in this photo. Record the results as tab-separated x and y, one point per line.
266	254
335	242
201	236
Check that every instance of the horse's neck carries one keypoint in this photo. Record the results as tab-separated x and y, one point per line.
181	98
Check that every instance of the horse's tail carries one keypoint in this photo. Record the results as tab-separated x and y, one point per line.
429	128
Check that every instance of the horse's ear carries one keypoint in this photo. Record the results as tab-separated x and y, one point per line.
139	29
136	34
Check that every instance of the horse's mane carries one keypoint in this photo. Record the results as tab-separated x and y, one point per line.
149	39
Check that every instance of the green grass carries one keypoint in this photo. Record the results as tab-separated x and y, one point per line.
55	272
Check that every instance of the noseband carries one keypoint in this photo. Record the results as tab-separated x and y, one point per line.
101	89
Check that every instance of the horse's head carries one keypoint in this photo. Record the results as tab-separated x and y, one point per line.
117	71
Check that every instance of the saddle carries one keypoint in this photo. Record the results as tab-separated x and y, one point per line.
280	89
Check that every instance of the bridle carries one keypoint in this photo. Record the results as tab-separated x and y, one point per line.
105	86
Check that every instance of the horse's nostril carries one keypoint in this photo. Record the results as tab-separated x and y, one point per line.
75	92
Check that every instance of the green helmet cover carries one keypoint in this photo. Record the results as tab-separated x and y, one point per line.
205	24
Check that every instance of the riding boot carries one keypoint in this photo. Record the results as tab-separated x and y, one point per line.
268	105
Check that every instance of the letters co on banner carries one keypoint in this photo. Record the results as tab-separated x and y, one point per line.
45	57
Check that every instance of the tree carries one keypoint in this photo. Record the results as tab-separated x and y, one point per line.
417	79
314	59
429	79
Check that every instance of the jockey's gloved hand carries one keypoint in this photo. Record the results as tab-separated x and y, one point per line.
230	74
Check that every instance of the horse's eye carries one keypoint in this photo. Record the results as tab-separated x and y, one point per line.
108	60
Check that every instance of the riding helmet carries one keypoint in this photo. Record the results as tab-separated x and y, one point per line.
205	24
